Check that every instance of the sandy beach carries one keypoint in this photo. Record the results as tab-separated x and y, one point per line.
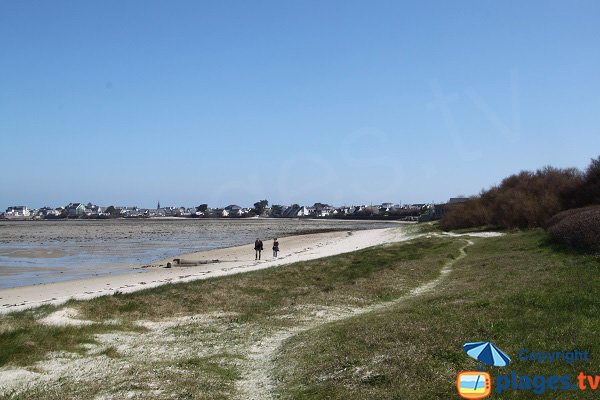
201	265
43	252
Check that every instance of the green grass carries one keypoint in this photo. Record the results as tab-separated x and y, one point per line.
516	291
252	305
425	227
484	228
353	279
23	340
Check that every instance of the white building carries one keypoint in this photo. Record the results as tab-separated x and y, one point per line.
303	212
17	212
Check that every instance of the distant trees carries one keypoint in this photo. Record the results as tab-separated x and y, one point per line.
260	206
276	210
320	206
112	211
202	208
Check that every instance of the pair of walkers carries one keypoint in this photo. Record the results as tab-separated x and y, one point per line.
258	248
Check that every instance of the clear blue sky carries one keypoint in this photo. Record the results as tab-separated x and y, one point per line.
187	102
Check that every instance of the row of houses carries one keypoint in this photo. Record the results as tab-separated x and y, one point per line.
17	212
420	211
229	211
89	210
384	209
72	210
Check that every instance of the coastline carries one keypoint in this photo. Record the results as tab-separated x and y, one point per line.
231	260
34	254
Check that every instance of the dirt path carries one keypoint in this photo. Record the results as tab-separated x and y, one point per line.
257	381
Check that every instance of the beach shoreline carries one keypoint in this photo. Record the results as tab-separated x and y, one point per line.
199	265
34	254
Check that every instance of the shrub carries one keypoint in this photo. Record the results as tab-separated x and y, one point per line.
578	228
563	214
469	214
525	200
588	192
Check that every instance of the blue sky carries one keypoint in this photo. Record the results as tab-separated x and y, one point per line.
187	102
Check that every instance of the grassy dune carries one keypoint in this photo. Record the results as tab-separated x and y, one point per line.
349	326
516	291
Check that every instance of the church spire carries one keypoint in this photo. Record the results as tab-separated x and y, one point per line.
158	205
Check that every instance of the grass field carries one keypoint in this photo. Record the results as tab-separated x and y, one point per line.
375	324
516	291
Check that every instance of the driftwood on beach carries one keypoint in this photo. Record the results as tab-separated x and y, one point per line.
186	263
181	263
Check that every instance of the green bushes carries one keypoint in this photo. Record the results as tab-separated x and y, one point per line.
578	228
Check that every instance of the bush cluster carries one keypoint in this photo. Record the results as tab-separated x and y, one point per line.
524	200
528	199
578	228
588	192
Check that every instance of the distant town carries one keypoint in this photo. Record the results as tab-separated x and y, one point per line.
407	212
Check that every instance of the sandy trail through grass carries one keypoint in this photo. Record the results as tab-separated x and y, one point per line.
257	381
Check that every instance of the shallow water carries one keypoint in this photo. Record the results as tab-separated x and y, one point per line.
35	252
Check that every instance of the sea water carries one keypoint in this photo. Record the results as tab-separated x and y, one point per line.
36	252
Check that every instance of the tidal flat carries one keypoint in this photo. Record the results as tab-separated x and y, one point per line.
38	252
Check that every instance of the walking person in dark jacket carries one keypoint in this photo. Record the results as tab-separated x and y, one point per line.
258	247
275	247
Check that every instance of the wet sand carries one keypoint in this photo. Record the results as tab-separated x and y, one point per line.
32	253
76	249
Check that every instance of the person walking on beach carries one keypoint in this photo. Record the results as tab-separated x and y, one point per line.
275	247
258	247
